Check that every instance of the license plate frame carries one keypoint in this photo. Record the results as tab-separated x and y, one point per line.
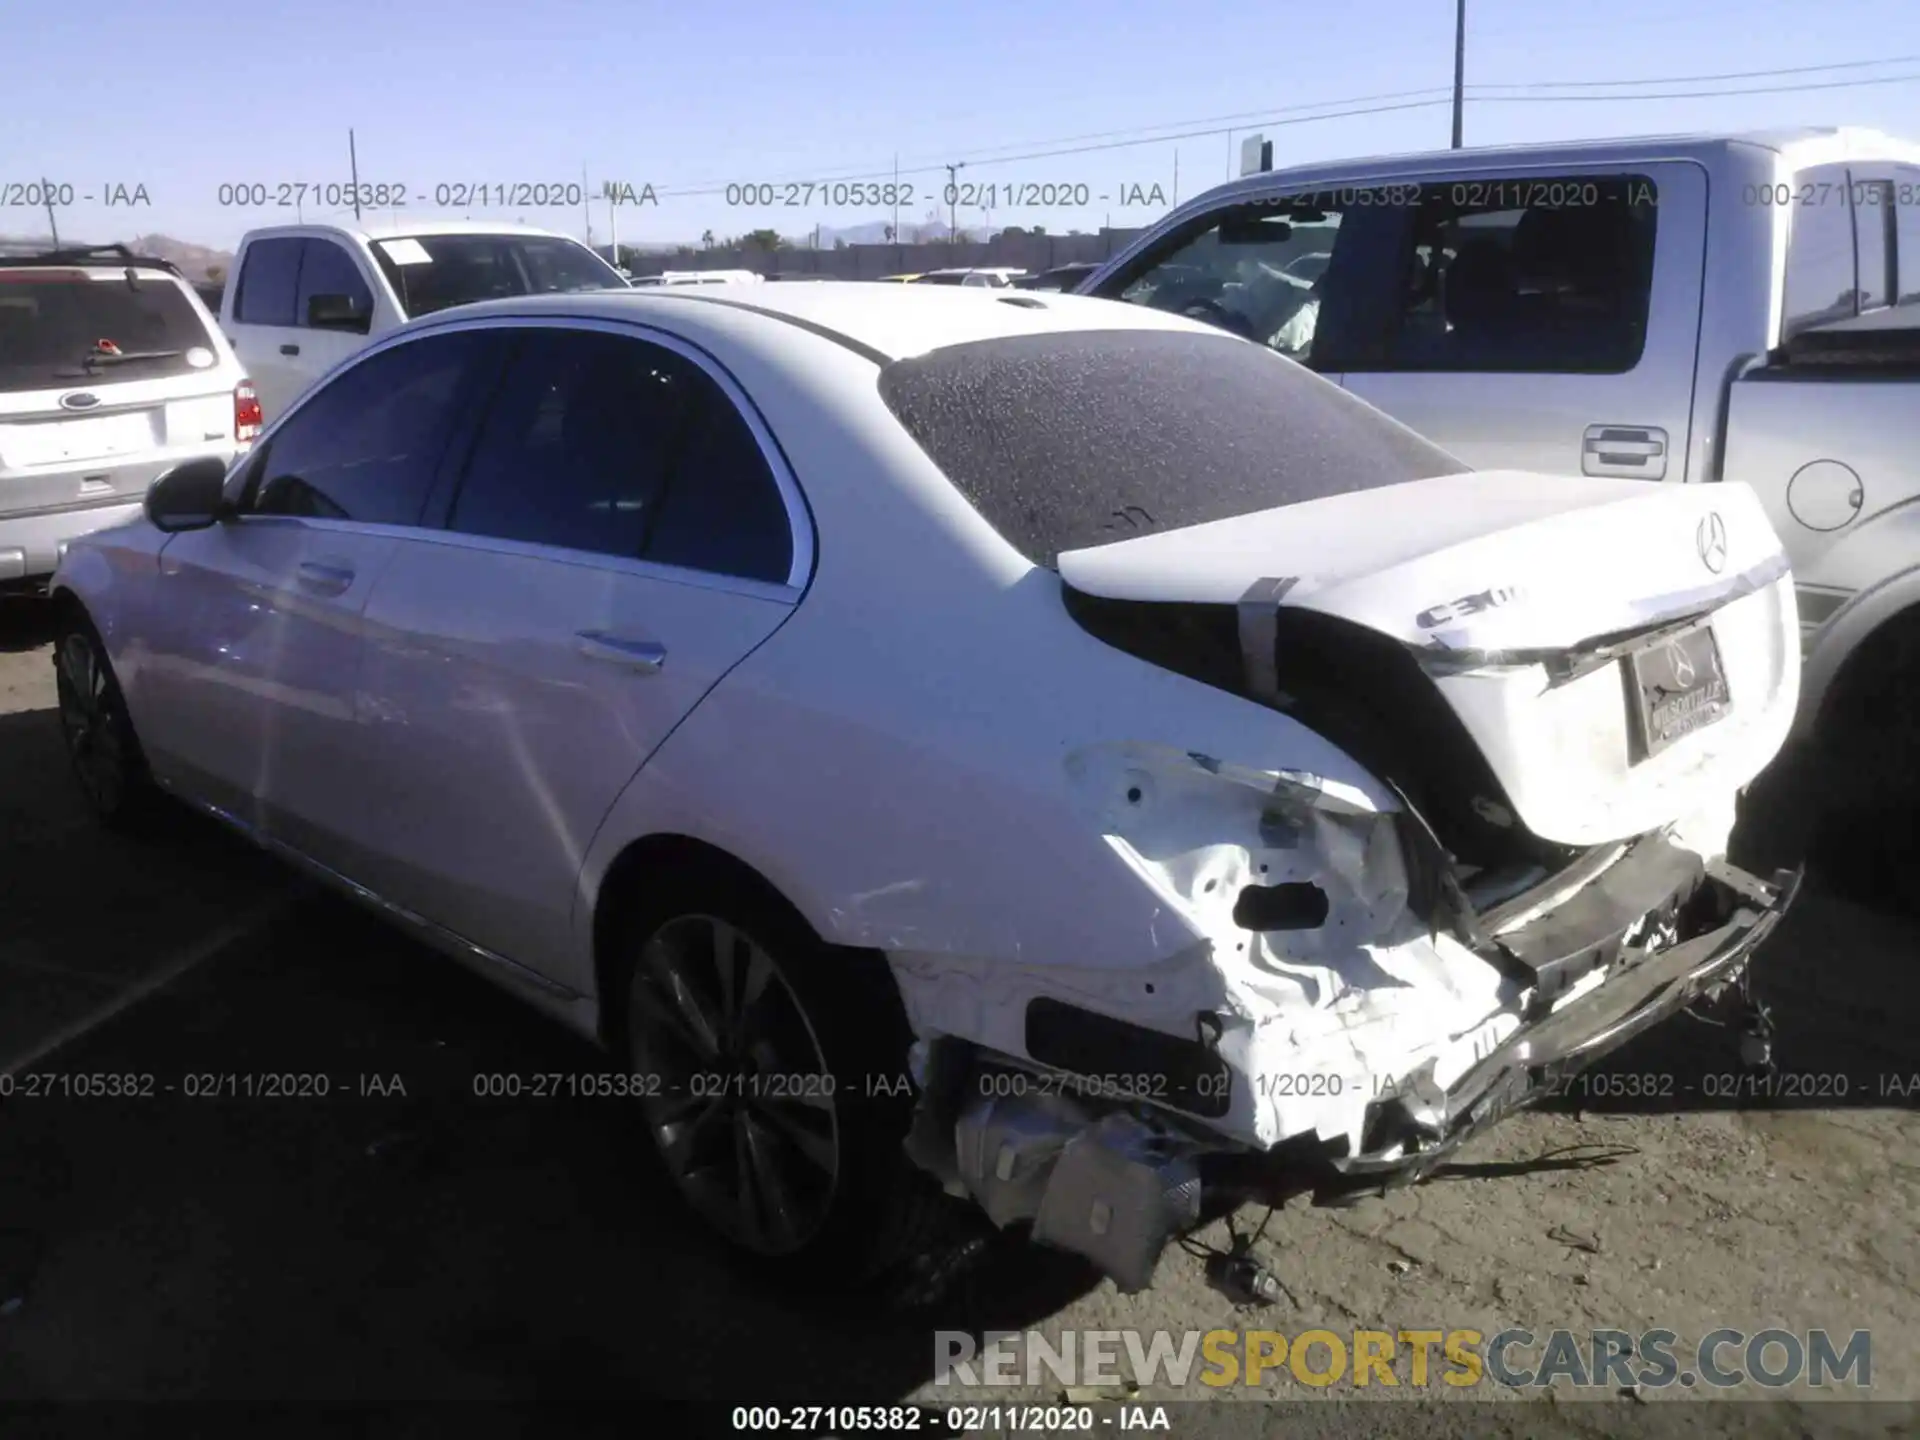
1676	687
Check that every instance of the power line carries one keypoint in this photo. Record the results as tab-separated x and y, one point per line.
1696	94
1697	79
1427	99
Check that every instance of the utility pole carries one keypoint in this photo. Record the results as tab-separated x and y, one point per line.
586	204
896	208
613	218
353	170
46	194
1459	66
953	194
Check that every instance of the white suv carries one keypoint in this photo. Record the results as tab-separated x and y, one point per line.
111	372
302	298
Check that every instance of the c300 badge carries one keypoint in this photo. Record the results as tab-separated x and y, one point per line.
1467	605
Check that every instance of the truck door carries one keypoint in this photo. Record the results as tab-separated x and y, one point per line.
1544	320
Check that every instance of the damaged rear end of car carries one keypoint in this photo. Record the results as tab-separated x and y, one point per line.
1560	686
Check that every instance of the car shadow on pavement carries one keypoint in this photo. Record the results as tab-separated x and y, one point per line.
307	1198
26	623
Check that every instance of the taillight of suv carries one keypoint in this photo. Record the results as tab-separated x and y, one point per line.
246	412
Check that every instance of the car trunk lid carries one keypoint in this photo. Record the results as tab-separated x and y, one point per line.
1619	655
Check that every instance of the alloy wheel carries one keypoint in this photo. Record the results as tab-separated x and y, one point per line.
743	1108
90	718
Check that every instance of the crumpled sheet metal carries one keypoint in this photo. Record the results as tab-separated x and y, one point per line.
1318	1021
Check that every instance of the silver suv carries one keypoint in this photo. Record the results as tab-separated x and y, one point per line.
111	371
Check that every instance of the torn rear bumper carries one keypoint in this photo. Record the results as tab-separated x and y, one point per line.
1410	1134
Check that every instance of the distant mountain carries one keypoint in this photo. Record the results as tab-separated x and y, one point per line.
194	260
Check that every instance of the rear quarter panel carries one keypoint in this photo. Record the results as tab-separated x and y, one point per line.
894	759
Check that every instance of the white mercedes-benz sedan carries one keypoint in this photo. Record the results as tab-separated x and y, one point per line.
1030	747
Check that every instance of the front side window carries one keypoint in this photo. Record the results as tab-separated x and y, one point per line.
1073	439
1550	275
368	445
1242	271
333	294
433	272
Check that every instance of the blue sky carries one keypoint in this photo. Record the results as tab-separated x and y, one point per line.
184	98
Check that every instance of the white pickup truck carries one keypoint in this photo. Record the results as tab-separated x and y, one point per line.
1677	309
302	298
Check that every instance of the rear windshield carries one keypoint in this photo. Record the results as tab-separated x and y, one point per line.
64	327
1077	438
432	272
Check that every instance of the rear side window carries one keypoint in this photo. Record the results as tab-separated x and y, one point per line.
368	445
269	282
1536	276
1070	440
614	446
1835	224
1906	238
577	445
68	328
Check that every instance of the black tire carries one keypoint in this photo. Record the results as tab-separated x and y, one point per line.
1866	841
102	747
878	1210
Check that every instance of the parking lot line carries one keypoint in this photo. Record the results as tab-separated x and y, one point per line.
245	924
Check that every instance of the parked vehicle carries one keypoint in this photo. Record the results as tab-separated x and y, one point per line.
906	279
1060	277
111	371
914	731
701	277
994	277
1687	310
301	298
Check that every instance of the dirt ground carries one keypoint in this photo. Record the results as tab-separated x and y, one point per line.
416	1245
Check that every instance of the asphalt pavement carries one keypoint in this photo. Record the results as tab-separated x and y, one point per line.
380	1234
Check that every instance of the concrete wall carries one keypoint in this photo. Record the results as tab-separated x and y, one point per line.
870	262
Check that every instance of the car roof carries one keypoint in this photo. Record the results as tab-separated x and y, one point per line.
1810	144
394	229
883	322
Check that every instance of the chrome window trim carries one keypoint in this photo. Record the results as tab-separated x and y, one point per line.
792	497
553	554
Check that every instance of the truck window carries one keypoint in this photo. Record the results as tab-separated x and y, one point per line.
1547	275
1872	201
1257	270
1905	190
269	281
1823	279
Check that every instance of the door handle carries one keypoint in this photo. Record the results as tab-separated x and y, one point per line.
289	349
646	656
324	579
1632	452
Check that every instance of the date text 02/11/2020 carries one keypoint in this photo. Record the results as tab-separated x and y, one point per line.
446	195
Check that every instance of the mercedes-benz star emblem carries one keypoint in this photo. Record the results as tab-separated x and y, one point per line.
1681	664
1711	541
